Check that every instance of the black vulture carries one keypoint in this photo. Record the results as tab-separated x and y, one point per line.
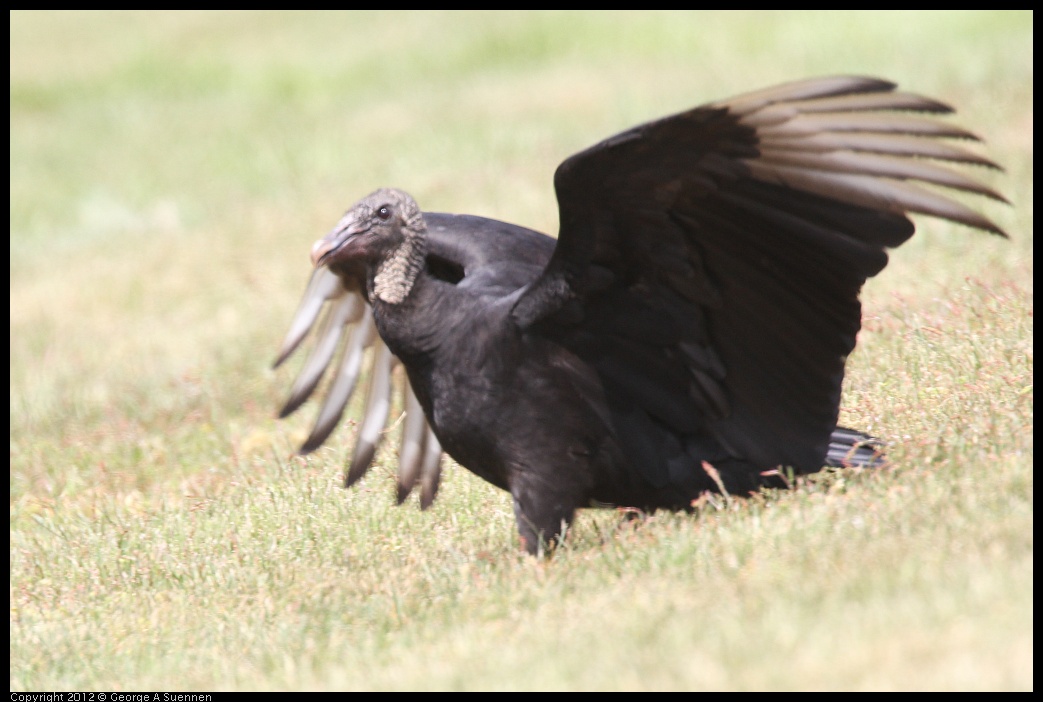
686	332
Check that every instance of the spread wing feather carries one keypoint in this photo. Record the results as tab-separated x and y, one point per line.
342	320
745	229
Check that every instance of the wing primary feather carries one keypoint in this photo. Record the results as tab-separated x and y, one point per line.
378	404
862	102
359	339
886	123
872	192
343	311
430	470
895	144
411	455
811	89
878	165
322	286
868	102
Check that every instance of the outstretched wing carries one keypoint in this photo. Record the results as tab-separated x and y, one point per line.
344	329
709	264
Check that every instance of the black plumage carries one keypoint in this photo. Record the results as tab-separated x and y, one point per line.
686	332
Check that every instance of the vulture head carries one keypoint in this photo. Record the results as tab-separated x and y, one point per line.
383	233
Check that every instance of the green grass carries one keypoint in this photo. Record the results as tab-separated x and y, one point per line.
168	175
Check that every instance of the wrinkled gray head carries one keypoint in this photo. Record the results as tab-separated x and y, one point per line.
383	236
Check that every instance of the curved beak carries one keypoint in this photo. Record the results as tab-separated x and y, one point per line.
346	228
320	249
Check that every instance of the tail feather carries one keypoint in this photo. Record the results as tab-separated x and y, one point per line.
851	448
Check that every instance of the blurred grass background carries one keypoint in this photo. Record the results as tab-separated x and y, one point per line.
169	171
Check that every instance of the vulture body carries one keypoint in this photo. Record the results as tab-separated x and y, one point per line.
688	329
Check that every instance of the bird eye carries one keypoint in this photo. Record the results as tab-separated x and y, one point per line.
384	212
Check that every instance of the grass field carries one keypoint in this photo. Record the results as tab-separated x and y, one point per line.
169	173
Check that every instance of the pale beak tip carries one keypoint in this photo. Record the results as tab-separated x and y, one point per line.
319	249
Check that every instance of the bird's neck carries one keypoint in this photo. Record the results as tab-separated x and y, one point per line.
414	327
396	275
